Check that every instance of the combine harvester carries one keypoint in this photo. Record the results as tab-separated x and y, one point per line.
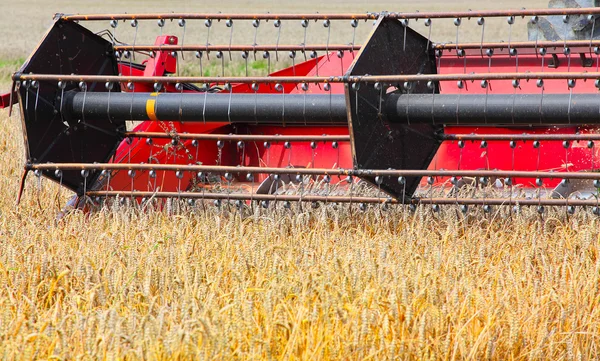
416	119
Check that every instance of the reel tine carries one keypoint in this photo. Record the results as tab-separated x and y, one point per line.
208	25
230	88
404	23
36	85
354	24
429	25
457	22
256	24
182	24
327	24
510	20
229	24
277	23
481	22
304	24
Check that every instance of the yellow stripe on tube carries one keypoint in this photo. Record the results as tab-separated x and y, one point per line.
151	106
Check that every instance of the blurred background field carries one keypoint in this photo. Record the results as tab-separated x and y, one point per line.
183	283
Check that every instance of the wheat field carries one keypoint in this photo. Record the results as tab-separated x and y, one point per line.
319	284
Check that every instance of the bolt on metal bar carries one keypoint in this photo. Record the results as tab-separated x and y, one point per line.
386	79
244	137
348	199
318	171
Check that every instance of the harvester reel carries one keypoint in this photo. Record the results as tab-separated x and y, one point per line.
513	121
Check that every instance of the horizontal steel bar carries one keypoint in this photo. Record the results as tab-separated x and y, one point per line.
385	79
363	16
346	138
318	171
349	47
243	137
348	199
493	13
216	16
237	48
520	45
523	137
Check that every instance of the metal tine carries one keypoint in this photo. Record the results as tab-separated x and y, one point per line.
250	178
245	57
131	88
292	55
208	24
481	22
61	85
407	87
335	145
277	23
592	20
220	56
570	84
591	146
134	24
379	86
304	89
428	24
256	24
327	88
485	84
340	54
510	20
542	53
161	24
109	86
567	52
535	21
304	24
431	86
36	85
206	87
174	54
460	84
13	88
313	146
288	146
229	24
327	24
314	55
280	88
404	23
83	87
182	24
114	24
565	20
230	88
356	88
540	84
354	24
515	84
255	87
199	57
457	22
26	84
267	55
179	87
